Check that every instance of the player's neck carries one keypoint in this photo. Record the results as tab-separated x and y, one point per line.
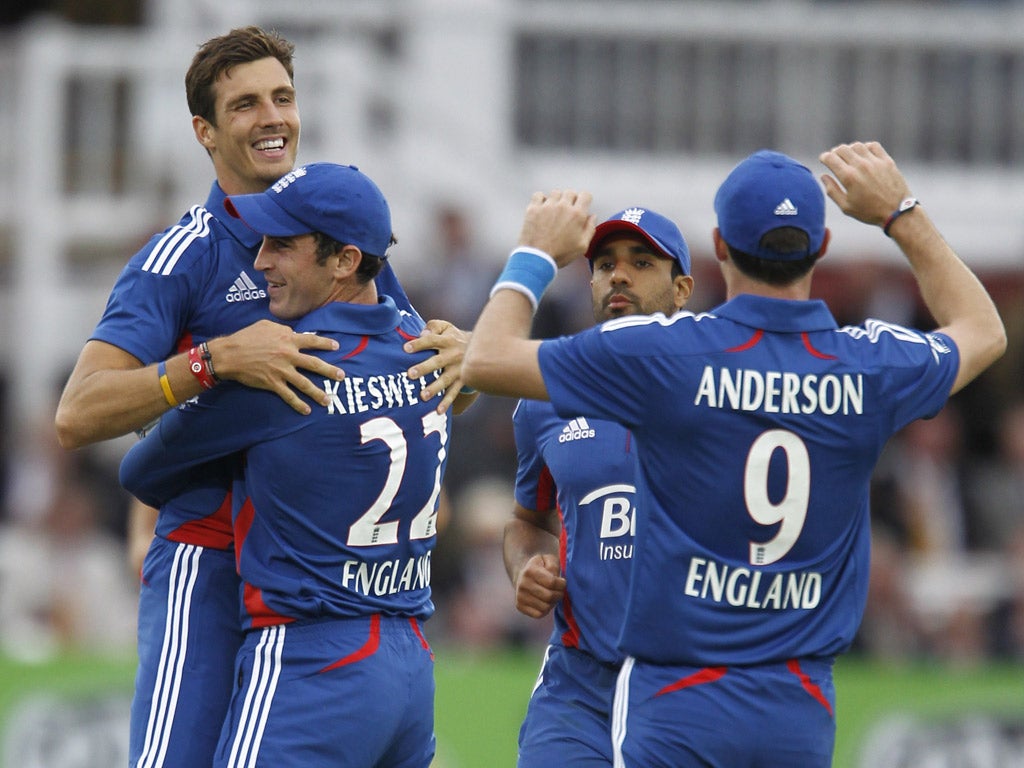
737	283
354	292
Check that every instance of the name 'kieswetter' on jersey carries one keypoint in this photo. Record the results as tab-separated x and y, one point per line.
327	520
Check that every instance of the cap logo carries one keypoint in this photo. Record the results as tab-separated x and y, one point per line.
786	208
288	179
633	215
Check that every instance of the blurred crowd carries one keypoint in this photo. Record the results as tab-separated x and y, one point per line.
947	499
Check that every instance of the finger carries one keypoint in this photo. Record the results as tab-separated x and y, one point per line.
877	150
319	367
436	326
310	390
426	341
450	396
426	367
833	190
435	388
532	610
296	403
313	341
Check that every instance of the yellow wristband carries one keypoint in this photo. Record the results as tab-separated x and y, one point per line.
165	385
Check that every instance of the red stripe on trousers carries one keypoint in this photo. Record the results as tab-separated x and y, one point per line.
369	647
810	687
706	675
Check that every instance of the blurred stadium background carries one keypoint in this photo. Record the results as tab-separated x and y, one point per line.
460	109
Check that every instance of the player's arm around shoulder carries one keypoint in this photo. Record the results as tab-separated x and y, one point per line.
867	185
108	394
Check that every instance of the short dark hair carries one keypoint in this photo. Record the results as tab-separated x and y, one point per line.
220	54
368	268
781	240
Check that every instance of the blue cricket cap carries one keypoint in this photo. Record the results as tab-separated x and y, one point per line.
658	231
337	200
766	191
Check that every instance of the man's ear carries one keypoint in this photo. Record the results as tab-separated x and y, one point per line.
682	287
349	259
721	249
204	132
824	244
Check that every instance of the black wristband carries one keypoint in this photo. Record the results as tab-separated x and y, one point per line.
908	204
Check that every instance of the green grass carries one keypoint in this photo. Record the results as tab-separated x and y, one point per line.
869	693
479	705
481	697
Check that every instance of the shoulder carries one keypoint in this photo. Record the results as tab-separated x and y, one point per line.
898	341
183	246
657	320
642	335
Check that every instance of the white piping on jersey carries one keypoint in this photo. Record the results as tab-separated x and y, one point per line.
635	321
258	698
606	491
184	572
873	330
620	710
175	242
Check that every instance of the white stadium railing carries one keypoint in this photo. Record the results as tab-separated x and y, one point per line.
482	101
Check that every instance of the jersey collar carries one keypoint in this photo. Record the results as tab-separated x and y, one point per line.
238	228
364	319
778	315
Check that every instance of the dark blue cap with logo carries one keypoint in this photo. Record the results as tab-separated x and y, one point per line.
766	191
336	200
657	230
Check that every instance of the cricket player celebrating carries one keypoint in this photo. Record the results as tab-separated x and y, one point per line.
757	426
334	513
575	505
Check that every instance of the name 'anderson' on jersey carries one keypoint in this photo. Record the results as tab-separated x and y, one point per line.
757	426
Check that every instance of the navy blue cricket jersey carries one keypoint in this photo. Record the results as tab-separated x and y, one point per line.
758	425
188	284
586	470
336	516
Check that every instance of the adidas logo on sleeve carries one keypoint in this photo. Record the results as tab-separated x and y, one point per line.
577	429
244	289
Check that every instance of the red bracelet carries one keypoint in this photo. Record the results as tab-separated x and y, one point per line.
197	367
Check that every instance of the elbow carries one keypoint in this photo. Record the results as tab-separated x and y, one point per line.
996	341
68	434
999	343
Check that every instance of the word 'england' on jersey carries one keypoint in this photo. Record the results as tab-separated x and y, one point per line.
743	587
372	393
386	578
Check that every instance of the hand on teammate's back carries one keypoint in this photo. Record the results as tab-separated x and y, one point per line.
267	355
